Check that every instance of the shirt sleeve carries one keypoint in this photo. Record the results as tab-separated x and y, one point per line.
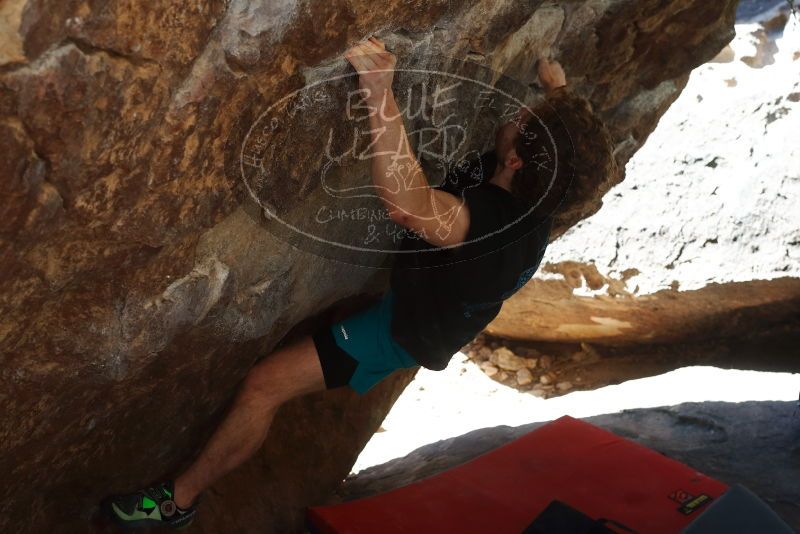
486	213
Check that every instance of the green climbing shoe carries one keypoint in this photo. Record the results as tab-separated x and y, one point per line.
150	507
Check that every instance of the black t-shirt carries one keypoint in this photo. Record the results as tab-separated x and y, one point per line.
443	297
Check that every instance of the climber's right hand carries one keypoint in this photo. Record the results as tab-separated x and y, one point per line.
375	67
551	74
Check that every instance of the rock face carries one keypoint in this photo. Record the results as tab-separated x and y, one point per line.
139	283
750	443
716	311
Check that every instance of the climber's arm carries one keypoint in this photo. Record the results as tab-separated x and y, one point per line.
440	218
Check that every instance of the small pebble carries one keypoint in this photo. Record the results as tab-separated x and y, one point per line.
564	386
505	359
524	377
489	369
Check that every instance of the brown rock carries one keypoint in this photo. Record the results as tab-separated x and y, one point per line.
538	391
489	369
484	353
140	282
663	317
505	359
564	386
524	377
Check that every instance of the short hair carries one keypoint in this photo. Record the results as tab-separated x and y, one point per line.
563	135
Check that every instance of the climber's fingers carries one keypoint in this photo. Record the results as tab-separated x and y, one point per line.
377	42
370	55
361	58
378	53
374	65
551	74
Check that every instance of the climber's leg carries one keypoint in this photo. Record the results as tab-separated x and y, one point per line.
357	351
289	372
284	374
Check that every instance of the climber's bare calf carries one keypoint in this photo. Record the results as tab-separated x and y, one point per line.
287	373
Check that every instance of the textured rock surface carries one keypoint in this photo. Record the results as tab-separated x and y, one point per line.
751	443
138	285
716	311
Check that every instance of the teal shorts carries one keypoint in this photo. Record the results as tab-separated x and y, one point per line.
360	351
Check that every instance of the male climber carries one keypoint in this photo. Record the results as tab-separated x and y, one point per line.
440	297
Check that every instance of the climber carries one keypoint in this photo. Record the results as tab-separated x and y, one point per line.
426	316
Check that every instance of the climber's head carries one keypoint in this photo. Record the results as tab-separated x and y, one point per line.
505	141
559	152
524	146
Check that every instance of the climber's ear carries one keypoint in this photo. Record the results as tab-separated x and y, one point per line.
512	160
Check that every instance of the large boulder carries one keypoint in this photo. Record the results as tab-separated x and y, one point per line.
717	311
140	282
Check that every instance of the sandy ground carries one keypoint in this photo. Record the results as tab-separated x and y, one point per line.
713	196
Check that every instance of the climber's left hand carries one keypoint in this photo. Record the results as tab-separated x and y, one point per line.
375	67
551	74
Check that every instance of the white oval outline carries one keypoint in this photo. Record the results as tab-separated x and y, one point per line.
393	251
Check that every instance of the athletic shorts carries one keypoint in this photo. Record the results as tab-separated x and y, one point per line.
360	351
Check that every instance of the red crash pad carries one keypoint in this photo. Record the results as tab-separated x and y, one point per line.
502	491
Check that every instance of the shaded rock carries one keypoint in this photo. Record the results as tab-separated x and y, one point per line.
484	353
